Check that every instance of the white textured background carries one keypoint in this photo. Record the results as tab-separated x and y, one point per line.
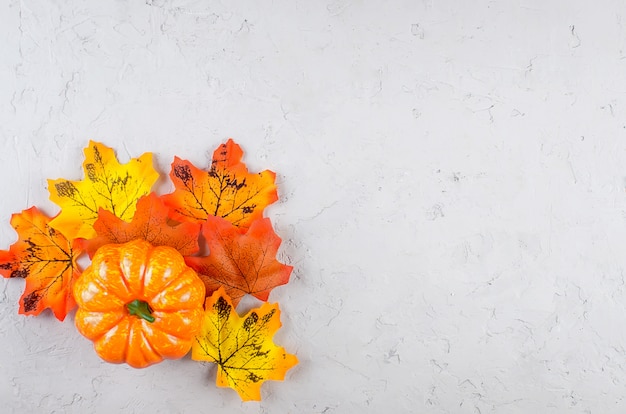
452	176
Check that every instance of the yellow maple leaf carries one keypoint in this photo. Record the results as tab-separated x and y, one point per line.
242	347
108	184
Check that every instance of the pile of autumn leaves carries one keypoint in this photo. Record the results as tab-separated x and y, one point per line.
113	216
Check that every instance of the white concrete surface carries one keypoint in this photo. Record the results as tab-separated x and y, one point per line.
452	176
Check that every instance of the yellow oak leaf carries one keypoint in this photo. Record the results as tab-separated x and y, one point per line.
242	347
108	185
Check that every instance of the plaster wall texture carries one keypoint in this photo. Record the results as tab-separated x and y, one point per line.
452	179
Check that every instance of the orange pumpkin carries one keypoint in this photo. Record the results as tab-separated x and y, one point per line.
139	304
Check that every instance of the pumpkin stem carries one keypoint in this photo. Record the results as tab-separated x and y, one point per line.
141	309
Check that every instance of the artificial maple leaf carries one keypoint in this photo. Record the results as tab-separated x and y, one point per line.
108	185
149	223
242	348
240	262
46	259
226	190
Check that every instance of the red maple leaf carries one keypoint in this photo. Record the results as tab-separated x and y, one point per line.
240	262
149	223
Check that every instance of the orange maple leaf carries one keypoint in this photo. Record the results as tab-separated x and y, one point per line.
240	262
226	190
46	259
149	223
242	347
